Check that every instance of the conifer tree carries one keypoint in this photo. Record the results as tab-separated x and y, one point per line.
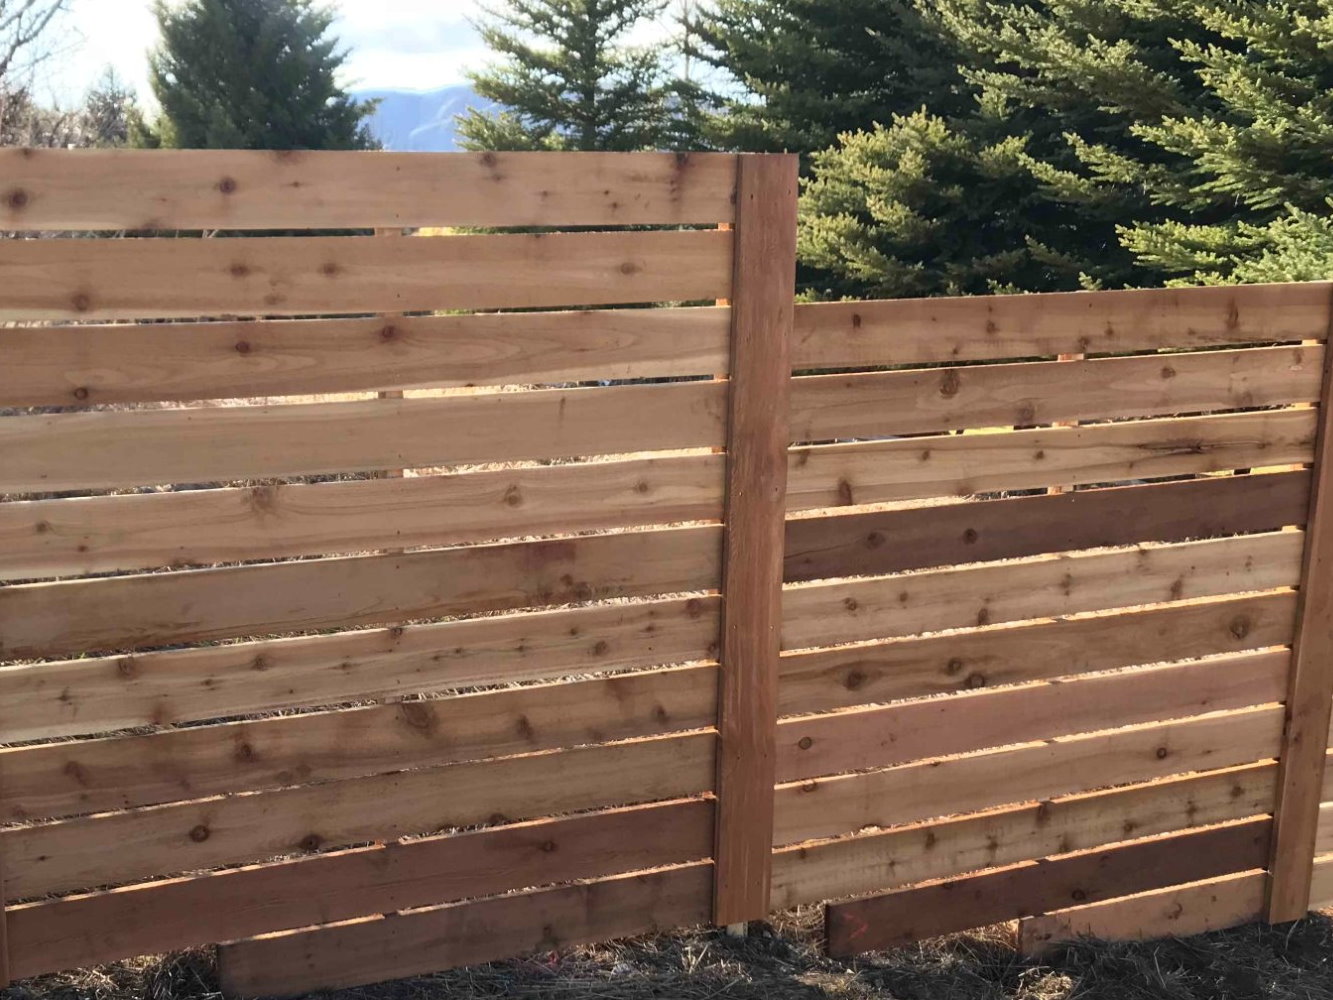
568	78
251	74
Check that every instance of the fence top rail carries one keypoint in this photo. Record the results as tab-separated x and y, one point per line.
120	189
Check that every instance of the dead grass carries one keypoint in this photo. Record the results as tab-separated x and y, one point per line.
783	962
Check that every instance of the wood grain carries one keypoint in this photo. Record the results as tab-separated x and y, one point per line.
47	189
75	451
160	609
899	918
992	327
872	542
752	606
843	475
88	930
125	847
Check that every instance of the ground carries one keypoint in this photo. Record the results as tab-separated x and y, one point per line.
783	962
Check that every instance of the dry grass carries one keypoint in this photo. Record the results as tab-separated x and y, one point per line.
783	962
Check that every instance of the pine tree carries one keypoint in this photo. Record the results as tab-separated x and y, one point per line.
811	70
569	79
252	74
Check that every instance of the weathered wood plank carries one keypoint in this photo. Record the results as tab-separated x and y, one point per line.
99	694
1321	885
311	275
1175	912
991	327
856	739
820	680
160	609
47	189
86	776
73	451
822	614
83	931
831	807
44	538
900	918
467	933
874	862
866	543
136	362
841	475
1310	696
883	404
762	299
117	848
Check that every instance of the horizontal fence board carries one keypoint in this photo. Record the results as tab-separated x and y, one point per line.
856	739
844	475
305	275
40	538
1036	887
87	776
1174	912
242	189
52	619
91	695
830	807
821	614
993	327
871	542
888	860
819	680
163	840
71	451
1323	841
881	404
179	362
468	933
1321	884
150	919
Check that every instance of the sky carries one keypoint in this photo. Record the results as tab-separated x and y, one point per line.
397	44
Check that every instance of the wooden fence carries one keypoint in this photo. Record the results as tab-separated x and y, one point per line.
653	632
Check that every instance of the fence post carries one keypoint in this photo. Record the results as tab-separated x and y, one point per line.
4	928
762	303
1309	687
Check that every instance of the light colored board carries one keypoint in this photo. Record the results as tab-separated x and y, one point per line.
159	841
841	475
160	609
908	915
991	327
70	451
856	739
84	931
824	679
1310	698
888	541
763	291
881	404
87	776
467	933
831	807
305	275
235	189
92	695
1321	884
874	862
821	614
44	538
1323	841
1179	911
131	363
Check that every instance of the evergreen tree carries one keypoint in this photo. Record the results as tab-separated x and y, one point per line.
568	79
814	69
251	74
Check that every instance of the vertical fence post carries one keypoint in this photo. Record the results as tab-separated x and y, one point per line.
762	304
1309	688
4	929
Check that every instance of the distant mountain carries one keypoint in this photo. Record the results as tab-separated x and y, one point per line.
420	121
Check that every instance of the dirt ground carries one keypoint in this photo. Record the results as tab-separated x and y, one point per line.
783	962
